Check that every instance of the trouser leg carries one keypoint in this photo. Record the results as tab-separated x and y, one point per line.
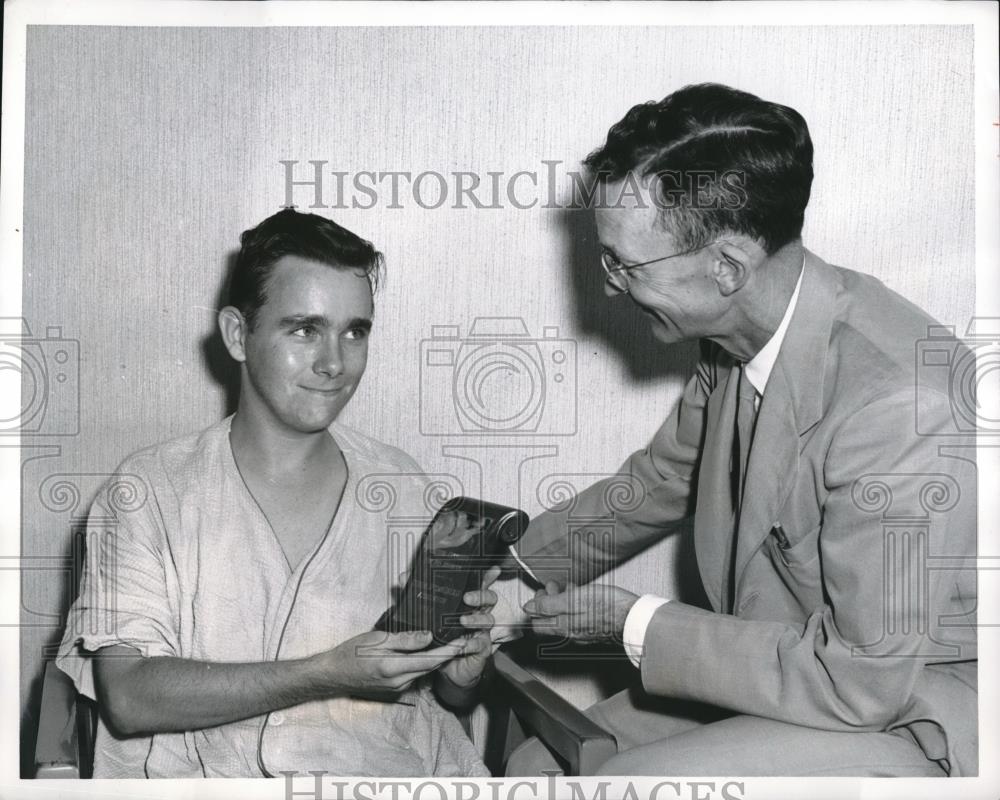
748	746
657	736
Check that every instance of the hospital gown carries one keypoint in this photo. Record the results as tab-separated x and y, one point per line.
182	562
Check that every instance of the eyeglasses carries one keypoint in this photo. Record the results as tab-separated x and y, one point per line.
612	266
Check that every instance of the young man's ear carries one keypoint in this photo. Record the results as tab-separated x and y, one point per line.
233	327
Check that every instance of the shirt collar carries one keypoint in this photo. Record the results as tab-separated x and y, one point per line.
758	368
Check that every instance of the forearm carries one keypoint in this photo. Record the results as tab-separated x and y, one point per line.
165	694
803	674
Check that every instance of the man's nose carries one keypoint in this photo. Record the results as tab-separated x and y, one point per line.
329	359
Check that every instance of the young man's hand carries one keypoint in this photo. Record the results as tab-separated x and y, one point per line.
465	670
379	663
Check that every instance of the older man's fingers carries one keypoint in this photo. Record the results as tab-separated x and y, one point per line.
532	606
548	605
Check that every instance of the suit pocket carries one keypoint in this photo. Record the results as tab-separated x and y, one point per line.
799	568
794	550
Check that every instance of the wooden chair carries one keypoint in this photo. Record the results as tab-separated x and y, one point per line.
67	726
529	707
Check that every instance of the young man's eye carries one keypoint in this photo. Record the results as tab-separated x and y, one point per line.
304	331
358	333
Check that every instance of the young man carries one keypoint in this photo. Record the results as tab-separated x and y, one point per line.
225	616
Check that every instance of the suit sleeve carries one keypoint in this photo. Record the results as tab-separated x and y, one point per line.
620	515
853	664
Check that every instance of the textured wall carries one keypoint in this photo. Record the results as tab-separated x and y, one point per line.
149	150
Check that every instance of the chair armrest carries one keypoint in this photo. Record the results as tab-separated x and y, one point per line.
56	748
580	741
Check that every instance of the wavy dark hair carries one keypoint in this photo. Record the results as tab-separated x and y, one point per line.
730	136
290	233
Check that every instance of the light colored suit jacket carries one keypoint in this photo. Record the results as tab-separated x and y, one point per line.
863	617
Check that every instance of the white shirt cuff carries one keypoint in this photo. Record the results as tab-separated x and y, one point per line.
522	565
636	623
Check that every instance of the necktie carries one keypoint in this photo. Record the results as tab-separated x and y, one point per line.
746	418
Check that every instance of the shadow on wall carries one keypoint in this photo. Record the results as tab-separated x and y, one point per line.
218	363
615	320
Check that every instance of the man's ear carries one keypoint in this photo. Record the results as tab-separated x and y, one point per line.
732	264
233	327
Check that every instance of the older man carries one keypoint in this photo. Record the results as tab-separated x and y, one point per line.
835	534
234	575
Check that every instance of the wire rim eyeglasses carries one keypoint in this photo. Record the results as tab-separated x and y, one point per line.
612	265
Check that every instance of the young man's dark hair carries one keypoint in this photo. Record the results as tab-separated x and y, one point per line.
290	233
708	139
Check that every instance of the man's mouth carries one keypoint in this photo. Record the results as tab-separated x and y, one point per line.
327	390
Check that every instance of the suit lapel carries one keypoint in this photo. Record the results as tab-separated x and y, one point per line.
773	462
791	405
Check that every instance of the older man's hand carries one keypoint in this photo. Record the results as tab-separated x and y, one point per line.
591	613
